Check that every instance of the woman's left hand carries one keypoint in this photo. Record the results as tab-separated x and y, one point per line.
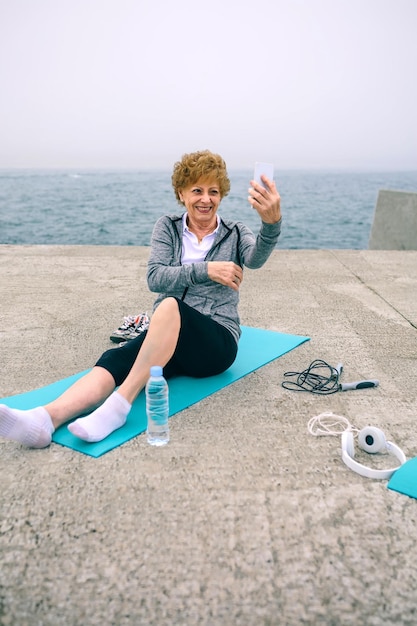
266	202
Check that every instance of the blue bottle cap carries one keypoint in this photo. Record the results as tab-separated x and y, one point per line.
156	370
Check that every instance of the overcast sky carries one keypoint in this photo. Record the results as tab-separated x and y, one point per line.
136	83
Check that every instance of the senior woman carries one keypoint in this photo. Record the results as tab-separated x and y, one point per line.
196	266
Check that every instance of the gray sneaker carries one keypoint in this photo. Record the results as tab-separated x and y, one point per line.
131	327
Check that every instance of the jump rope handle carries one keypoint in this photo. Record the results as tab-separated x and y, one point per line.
359	384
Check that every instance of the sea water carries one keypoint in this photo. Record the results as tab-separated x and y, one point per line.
321	209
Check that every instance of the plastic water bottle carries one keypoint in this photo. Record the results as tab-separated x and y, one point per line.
157	408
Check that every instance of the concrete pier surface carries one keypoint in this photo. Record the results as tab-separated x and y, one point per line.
244	518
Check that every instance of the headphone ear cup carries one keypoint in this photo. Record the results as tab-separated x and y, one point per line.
347	443
372	440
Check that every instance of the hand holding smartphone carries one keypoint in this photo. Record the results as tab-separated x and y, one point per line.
267	169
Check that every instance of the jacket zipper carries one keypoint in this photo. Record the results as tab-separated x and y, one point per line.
226	236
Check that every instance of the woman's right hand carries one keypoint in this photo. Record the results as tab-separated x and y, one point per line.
226	273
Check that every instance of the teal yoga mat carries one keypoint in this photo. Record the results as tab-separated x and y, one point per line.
404	480
257	347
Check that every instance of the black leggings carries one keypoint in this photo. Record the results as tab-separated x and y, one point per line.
204	348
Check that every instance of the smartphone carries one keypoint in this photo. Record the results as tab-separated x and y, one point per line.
263	168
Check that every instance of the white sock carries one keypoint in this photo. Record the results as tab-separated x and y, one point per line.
103	421
32	428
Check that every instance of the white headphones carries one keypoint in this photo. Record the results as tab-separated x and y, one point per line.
372	440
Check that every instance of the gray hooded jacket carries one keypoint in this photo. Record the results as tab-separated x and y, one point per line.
234	242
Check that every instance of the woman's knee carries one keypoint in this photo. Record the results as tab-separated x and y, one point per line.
168	308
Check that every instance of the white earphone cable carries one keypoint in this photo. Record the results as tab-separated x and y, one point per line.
329	424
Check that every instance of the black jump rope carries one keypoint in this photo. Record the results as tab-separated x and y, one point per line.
323	379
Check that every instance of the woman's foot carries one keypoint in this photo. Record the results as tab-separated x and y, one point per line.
110	416
31	428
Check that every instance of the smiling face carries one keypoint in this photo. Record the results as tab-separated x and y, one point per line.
201	201
200	166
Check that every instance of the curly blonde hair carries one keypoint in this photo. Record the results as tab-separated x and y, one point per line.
200	165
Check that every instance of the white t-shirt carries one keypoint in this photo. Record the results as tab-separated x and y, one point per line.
194	251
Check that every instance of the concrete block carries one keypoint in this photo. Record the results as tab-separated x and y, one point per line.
394	225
